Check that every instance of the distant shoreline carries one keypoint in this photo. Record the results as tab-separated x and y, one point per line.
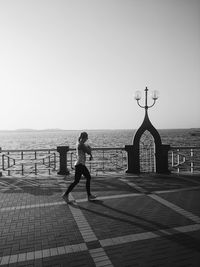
77	130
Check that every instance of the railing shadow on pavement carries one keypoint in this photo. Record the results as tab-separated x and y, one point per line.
188	242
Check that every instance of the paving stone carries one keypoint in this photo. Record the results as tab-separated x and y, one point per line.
37	228
93	244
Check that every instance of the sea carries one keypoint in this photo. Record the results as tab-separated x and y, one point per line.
50	139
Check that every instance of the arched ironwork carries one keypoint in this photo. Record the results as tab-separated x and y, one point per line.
147	152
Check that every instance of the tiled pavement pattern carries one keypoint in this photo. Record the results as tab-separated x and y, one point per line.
146	220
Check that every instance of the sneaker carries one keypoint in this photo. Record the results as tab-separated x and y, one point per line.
92	197
67	200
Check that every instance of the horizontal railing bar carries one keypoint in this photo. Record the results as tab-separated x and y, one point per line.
29	150
108	148
54	149
95	149
102	148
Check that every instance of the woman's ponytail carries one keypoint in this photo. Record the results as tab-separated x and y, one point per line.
82	136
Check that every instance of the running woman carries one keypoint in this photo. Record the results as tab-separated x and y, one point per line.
80	169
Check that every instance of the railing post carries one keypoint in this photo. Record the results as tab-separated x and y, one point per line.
49	162
8	164
35	168
172	159
103	160
178	160
165	164
192	163
54	156
22	169
71	158
133	159
2	164
62	150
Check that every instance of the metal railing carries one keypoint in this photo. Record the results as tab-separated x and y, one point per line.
105	160
28	161
40	161
184	159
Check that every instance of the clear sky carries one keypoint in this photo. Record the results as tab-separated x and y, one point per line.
76	64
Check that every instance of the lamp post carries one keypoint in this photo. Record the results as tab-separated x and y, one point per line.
161	151
134	150
154	97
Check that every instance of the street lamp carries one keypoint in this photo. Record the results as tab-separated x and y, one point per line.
154	97
161	151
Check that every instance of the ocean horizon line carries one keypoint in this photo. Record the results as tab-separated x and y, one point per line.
97	129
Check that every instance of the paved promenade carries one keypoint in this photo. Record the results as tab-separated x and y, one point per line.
136	221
